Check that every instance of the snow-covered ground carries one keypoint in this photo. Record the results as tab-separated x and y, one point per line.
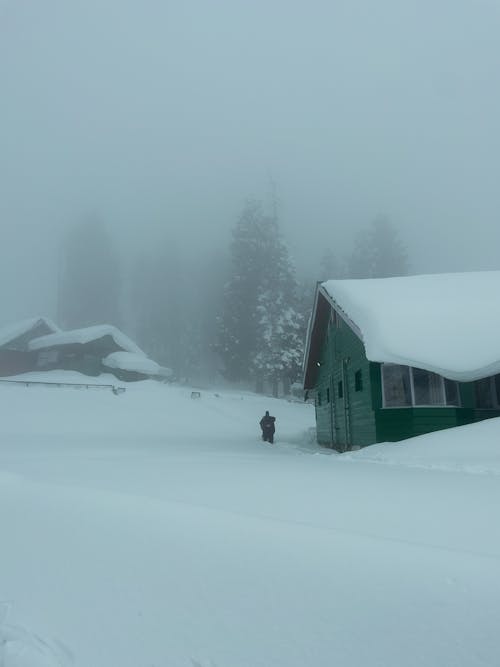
152	529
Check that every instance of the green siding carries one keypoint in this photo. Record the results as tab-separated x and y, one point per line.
348	420
401	423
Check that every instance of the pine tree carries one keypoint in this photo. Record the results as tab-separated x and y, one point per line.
279	335
260	334
90	281
238	321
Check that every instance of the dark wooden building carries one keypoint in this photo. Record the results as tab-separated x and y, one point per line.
15	355
87	351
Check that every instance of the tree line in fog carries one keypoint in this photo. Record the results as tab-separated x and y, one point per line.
240	313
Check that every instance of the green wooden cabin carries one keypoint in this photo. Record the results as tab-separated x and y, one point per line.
361	401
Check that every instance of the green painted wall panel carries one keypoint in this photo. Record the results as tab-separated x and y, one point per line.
395	424
348	419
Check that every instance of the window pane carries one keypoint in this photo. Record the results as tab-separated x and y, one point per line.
427	388
452	395
484	394
396	385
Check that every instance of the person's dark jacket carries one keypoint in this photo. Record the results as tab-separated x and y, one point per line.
267	423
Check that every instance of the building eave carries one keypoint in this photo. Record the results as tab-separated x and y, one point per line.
323	304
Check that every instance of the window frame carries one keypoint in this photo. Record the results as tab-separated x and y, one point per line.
413	404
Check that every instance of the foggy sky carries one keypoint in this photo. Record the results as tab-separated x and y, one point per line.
167	115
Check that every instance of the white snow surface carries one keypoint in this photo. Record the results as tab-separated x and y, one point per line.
444	323
12	331
128	361
149	528
86	335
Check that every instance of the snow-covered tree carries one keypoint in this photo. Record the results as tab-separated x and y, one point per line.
279	345
260	327
279	358
238	321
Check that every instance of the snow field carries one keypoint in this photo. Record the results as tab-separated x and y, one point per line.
152	529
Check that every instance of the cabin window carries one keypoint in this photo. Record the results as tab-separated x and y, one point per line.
328	394
406	386
358	381
451	390
319	399
340	390
396	385
488	393
427	388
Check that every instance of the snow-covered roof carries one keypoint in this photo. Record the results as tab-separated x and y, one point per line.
86	335
12	331
127	361
445	323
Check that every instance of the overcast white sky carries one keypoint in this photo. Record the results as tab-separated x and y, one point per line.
168	114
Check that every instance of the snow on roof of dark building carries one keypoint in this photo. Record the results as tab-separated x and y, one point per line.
11	332
86	335
128	361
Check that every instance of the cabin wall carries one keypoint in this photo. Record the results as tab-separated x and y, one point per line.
344	409
394	424
14	362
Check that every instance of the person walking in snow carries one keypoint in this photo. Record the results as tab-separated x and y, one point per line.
267	426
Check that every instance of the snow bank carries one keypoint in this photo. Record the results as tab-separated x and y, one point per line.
127	361
445	323
86	335
474	448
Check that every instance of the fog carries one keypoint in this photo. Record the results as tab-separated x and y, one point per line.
165	116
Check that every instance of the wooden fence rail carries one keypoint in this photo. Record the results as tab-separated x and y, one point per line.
74	385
